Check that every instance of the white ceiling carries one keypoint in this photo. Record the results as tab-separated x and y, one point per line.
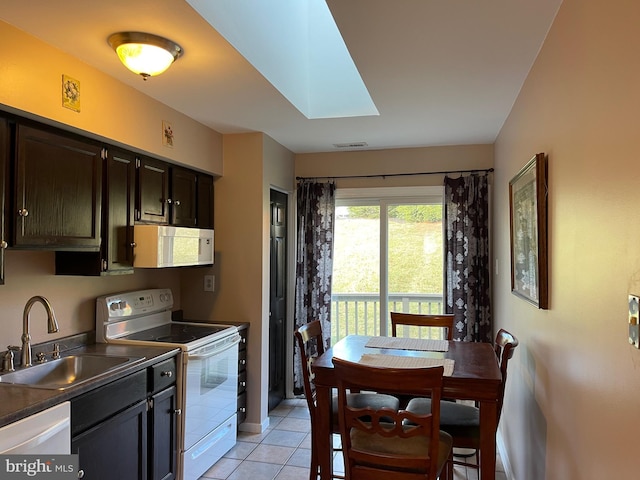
440	72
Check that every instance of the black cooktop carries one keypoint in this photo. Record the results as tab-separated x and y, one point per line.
176	333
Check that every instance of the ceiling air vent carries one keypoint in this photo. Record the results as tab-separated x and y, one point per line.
350	145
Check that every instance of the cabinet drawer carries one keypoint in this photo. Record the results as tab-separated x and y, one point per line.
242	360
242	382
242	407
162	375
91	408
243	340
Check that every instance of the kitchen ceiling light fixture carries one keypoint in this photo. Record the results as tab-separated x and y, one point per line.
144	53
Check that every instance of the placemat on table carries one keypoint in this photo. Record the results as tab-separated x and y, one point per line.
397	361
399	343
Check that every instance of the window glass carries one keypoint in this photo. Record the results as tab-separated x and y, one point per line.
387	257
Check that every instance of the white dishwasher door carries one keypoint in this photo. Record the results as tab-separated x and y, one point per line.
46	432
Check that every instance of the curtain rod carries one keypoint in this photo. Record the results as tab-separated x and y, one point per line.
485	170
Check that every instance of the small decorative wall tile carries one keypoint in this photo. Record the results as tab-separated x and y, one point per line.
70	93
167	134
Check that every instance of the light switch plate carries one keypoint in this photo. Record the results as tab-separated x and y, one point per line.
634	334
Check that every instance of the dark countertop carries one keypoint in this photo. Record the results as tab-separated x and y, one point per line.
240	325
178	316
17	402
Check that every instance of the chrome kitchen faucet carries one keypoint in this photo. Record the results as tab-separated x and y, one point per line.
52	325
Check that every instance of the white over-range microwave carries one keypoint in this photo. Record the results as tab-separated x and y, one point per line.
160	246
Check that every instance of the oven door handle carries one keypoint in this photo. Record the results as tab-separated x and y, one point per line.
210	352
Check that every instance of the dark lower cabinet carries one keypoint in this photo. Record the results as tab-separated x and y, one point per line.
243	330
115	448
127	429
162	432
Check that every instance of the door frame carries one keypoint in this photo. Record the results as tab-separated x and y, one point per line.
292	228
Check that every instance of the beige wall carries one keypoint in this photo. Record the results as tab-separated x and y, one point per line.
254	163
571	409
73	298
401	160
31	82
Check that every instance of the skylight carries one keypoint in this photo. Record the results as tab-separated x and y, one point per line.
297	47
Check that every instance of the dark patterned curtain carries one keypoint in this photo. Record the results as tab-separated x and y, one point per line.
468	292
314	262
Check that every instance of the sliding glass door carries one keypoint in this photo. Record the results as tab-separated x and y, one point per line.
388	257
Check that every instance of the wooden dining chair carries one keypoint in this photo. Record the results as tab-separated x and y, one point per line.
461	421
444	321
384	443
311	344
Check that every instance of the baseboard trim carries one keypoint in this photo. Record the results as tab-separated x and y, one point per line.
254	427
504	456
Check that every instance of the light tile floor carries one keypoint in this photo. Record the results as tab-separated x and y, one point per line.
283	451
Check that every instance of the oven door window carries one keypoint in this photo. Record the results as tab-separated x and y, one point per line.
214	374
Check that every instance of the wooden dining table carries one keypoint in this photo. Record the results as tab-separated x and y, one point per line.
476	376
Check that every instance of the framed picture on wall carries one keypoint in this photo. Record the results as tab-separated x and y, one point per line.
528	192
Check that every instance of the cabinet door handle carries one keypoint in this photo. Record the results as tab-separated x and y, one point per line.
4	244
23	212
133	244
80	473
168	374
243	409
169	200
177	203
243	362
177	411
243	384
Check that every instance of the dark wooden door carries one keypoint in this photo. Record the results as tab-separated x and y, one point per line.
153	191
120	210
162	432
183	197
115	448
277	298
58	193
4	164
116	252
205	201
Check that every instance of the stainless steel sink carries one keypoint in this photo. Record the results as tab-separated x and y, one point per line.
66	372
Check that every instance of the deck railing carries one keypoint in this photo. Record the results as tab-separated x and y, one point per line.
359	313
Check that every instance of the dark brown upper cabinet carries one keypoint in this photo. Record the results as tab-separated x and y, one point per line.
152	205
173	195
120	207
58	190
205	201
184	197
4	176
116	252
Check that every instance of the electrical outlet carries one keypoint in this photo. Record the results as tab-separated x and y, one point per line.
209	283
634	333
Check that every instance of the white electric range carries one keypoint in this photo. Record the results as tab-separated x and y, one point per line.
207	373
